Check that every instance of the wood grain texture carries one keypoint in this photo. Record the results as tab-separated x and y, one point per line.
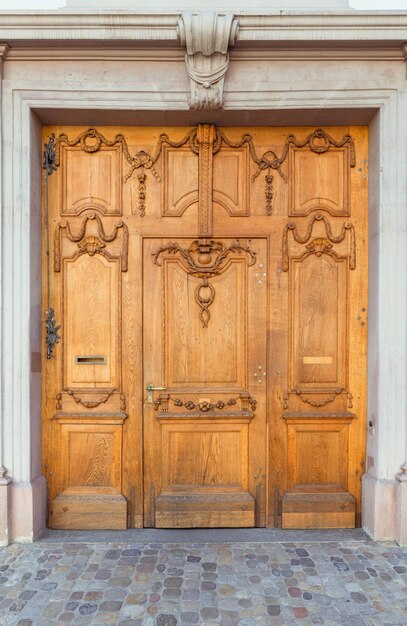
92	181
288	331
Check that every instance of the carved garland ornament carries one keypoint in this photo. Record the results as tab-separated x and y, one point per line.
315	403
206	406
318	141
319	245
91	245
92	140
90	404
204	259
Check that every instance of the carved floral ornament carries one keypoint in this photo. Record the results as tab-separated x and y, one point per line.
91	141
247	402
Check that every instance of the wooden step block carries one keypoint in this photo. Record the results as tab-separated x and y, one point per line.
204	510
89	512
318	510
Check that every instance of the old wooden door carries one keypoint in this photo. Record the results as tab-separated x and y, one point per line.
211	290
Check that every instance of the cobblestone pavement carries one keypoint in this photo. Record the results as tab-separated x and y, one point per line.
181	584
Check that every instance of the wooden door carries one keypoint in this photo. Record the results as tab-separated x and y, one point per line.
227	268
205	434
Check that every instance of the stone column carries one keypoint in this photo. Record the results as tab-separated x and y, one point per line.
387	398
5	480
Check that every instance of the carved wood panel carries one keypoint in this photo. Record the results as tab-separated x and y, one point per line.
318	323
91	322
209	415
229	266
231	182
91	181
180	180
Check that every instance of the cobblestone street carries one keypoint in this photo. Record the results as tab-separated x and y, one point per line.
350	582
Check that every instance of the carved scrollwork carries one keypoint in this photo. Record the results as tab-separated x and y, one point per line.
91	245
204	259
319	245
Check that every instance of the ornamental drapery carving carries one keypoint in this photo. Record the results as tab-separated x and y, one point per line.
207	36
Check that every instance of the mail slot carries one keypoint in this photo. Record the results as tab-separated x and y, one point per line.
90	360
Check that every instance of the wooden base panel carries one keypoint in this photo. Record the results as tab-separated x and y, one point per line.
206	511
316	510
78	512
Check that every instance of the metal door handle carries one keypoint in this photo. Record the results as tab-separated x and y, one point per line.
150	389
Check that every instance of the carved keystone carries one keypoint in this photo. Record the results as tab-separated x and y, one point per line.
207	36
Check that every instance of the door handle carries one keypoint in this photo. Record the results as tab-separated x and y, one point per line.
150	389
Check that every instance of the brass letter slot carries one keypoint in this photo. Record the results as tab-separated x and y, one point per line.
90	360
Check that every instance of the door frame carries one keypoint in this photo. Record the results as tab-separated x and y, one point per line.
22	340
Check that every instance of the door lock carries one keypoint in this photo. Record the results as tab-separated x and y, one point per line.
150	389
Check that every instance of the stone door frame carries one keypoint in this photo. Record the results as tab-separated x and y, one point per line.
21	285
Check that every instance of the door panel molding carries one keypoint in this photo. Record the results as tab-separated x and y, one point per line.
183	261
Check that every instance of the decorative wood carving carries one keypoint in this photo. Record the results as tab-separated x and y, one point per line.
312	142
330	395
319	402
91	245
90	404
269	194
231	180
205	138
91	140
204	259
122	402
58	401
205	406
319	246
142	194
84	397
207	36
204	451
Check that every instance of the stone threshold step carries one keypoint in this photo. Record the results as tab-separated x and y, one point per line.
202	535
